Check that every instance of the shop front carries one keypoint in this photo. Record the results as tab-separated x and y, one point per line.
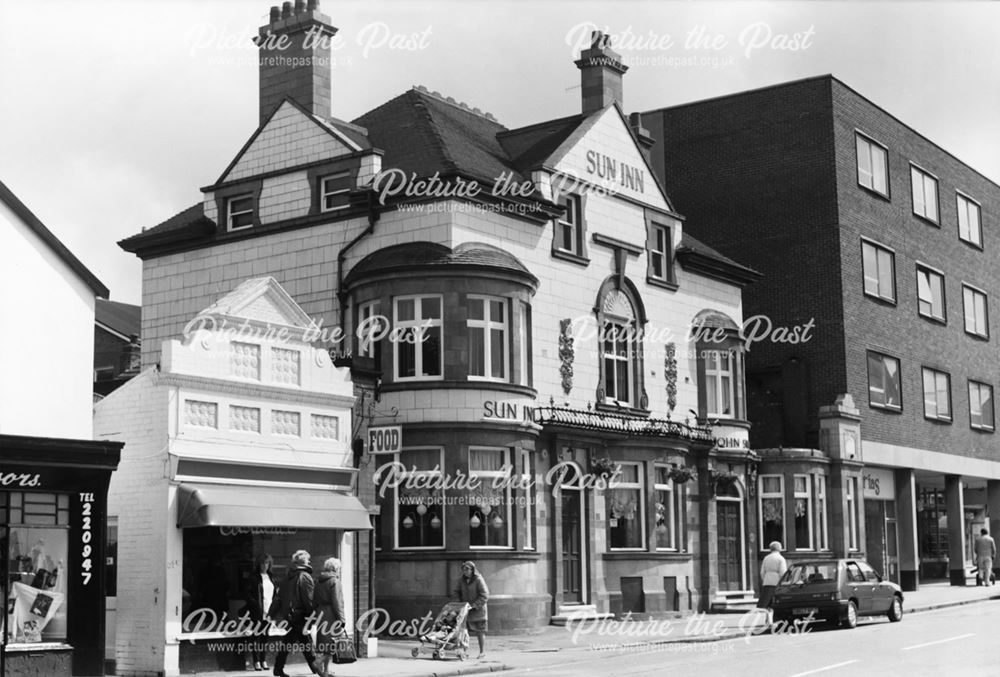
881	523
53	498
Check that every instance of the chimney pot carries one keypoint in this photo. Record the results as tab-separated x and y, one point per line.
300	6
286	10
275	14
313	4
601	73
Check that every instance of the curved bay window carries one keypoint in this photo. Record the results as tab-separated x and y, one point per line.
721	392
620	317
489	502
419	508
624	505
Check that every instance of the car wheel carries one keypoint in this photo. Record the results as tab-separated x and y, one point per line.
896	609
850	619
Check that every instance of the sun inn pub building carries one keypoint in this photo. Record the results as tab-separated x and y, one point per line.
530	306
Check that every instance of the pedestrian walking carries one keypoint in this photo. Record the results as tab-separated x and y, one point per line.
471	588
772	569
294	606
985	550
260	590
329	601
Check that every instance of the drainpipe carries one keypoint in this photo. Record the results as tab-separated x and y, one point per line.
373	216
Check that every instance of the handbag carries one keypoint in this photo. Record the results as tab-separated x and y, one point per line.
343	651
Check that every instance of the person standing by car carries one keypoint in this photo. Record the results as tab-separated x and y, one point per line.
772	569
294	606
471	588
985	549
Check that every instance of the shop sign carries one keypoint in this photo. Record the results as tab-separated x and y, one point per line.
505	411
14	480
386	439
615	171
258	531
86	536
879	483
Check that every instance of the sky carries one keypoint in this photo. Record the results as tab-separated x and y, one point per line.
115	114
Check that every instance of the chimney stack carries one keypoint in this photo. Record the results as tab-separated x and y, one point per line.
295	58
601	71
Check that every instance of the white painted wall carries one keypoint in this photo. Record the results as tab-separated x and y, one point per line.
47	348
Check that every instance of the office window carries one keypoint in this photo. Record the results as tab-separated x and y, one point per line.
879	270
239	212
976	315
569	226
969	226
624	505
417	348
981	405
772	509
884	388
930	293
873	170
335	191
488	345
937	395
925	194
803	512
660	253
489	506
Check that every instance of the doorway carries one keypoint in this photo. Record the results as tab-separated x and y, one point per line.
729	517
572	545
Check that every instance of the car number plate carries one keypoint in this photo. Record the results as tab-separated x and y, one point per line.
804	610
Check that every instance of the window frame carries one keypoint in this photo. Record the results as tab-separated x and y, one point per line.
878	248
966	287
418	321
716	375
367	310
961	197
671	507
871	145
925	177
617	360
807	513
926	372
666	253
899	381
527	484
761	497
822	512
853	526
486	478
396	511
487	326
972	424
932	272
640	486
324	193
229	200
571	202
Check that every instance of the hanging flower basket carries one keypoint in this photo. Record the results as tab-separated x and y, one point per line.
725	478
682	474
602	467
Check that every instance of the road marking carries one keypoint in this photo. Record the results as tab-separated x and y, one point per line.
829	667
940	641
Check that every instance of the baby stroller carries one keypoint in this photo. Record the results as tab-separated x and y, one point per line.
449	636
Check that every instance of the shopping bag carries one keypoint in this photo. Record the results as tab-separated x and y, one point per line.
344	650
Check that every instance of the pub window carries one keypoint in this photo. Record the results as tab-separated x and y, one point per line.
523	342
526	503
873	171
418	353
489	504
420	501
335	191
660	246
720	383
772	509
803	512
981	405
239	212
668	501
620	370
370	327
624	505
569	226
488	343
884	390
38	552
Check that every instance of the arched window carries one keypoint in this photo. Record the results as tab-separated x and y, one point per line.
620	317
721	392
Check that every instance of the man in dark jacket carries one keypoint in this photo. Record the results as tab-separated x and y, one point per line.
471	588
293	606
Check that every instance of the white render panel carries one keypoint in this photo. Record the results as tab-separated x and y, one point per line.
284	197
290	139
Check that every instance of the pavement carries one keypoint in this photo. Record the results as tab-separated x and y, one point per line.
560	645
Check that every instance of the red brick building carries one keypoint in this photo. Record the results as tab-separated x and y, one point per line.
884	241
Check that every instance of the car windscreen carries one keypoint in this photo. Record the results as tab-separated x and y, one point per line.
807	574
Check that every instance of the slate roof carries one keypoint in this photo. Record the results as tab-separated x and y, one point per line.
528	147
124	318
192	220
431	254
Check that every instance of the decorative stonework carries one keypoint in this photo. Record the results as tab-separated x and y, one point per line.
617	303
201	414
670	372
245	360
566	354
285	366
325	427
244	419
286	423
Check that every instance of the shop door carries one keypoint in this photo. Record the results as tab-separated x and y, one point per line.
875	541
572	545
728	514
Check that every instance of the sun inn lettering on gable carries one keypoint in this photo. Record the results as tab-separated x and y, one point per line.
610	171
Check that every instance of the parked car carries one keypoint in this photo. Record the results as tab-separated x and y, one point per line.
837	591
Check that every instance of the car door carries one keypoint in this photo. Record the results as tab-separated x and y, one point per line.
882	592
861	589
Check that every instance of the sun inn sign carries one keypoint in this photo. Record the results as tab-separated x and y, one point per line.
617	172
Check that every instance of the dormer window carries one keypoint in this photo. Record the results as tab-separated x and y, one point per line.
335	191
239	212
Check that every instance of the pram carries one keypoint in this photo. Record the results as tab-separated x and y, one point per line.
449	636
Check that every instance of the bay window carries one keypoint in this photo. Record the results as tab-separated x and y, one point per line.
624	505
417	346
419	508
488	338
489	502
772	509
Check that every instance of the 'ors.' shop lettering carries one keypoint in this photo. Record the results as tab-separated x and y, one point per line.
11	479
